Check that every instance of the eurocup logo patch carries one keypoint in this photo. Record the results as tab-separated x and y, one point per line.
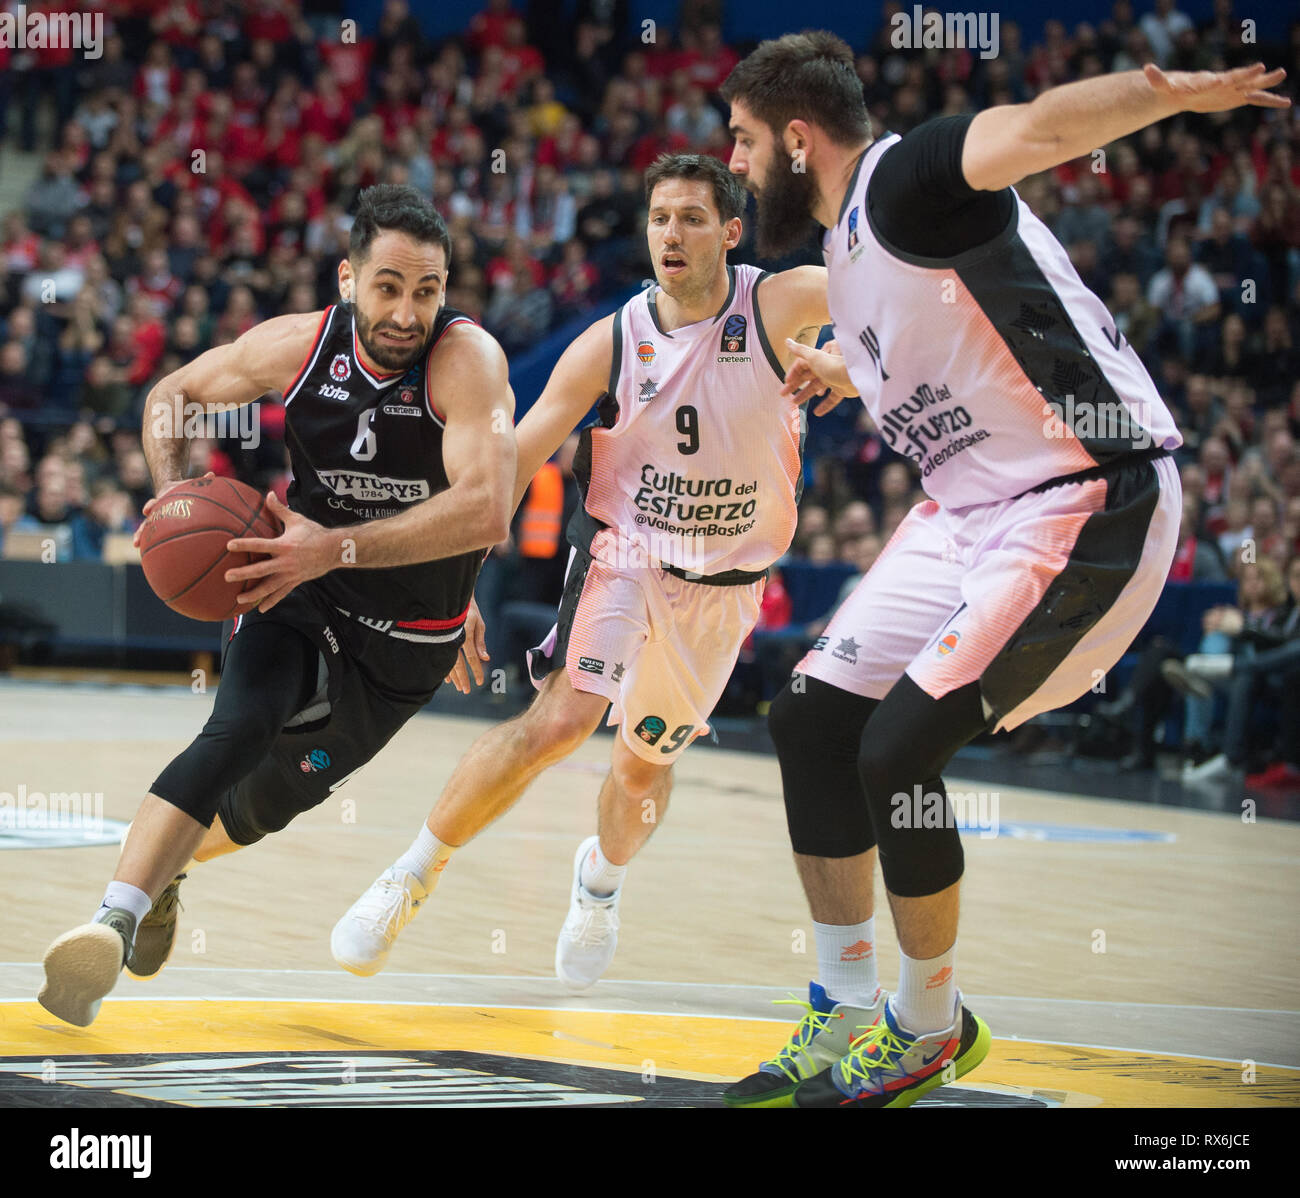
645	350
853	228
340	368
316	760
733	335
651	729
949	644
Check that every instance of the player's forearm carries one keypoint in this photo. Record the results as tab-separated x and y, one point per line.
166	448
455	521
1076	118
525	472
535	441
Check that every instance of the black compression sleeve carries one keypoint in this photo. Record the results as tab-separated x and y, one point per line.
268	675
920	200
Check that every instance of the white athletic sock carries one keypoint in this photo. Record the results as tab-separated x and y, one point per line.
426	858
600	877
927	993
846	961
130	898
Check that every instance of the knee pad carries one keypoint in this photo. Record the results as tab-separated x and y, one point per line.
228	748
907	742
817	730
265	802
270	673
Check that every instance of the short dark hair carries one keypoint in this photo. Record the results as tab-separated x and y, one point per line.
810	76
728	191
393	207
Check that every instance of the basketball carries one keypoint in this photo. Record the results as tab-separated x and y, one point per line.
183	545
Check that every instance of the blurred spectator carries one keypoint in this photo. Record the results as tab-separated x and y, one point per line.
694	118
16	392
53	198
1135	319
519	312
1186	294
1250	652
1084	218
53	281
1162	29
109	510
574	281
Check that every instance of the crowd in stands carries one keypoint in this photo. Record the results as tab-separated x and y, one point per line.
197	178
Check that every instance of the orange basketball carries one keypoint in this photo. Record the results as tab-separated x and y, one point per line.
183	545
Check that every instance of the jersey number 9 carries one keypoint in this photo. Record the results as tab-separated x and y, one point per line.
688	424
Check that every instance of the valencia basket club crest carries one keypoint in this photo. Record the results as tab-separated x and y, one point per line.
340	368
733	335
645	350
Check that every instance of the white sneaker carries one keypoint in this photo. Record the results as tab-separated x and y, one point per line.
83	965
1209	772
1213	667
590	933
361	940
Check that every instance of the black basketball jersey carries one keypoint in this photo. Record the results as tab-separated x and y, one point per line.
366	446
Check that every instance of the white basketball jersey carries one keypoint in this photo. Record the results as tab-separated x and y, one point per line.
700	467
994	370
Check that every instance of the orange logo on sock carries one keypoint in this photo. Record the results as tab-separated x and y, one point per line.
939	978
857	952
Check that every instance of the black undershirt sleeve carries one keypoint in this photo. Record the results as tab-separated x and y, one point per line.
920	201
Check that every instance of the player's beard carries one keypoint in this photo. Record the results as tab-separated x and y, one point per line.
785	205
390	357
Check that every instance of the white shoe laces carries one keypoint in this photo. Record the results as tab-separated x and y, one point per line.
594	925
385	908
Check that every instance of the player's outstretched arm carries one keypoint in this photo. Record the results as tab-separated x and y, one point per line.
478	452
266	358
579	379
794	309
1007	143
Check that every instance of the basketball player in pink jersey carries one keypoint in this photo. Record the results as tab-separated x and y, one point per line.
1051	520
690	483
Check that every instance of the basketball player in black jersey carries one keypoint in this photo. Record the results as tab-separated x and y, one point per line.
400	434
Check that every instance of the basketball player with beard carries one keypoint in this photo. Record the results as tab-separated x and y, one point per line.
690	482
1051	519
400	436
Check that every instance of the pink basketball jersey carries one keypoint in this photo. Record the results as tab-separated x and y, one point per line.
701	468
995	370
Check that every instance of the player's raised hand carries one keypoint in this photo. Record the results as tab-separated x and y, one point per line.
1218	91
473	653
150	504
303	551
814	371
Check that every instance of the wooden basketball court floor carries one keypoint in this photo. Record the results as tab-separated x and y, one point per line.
1122	954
